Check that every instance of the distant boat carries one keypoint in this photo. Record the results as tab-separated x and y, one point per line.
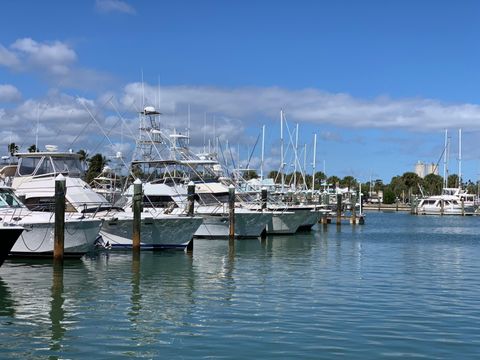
452	201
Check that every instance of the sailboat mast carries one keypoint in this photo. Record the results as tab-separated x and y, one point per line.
314	164
188	125
263	153
445	160
304	170
281	151
459	158
296	159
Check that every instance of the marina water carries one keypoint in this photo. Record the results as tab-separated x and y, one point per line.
400	286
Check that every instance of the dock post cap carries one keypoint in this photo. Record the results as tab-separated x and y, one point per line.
137	182
60	177
191	183
231	186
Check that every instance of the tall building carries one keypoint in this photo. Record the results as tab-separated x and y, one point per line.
422	169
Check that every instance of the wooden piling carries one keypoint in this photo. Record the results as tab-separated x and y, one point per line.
264	198
190	208
264	202
353	218
339	209
137	214
59	234
190	198
462	201
442	206
231	211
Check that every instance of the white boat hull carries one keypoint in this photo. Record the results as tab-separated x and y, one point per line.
38	237
249	224
156	233
446	211
286	222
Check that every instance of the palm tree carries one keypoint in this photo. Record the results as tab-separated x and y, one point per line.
83	155
12	148
32	148
95	166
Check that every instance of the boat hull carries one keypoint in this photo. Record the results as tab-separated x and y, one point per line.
286	222
156	233
311	217
38	238
249	224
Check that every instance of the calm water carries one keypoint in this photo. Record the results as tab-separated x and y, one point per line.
398	287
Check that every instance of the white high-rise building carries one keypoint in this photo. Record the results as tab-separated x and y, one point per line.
422	169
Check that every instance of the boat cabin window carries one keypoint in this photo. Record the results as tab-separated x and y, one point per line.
28	165
72	166
8	199
45	167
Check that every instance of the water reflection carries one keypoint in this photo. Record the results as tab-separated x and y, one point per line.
7	304
391	286
57	312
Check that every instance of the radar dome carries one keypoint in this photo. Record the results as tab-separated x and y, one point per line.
51	147
149	109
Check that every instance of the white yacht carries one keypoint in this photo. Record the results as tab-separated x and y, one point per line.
452	201
38	237
34	181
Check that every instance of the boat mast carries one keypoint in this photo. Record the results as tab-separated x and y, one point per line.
459	158
304	170
445	150
188	126
282	162
296	159
263	152
314	160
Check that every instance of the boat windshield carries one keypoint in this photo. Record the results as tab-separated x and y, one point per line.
45	165
8	199
72	166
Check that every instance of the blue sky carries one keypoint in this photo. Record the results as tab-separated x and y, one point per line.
378	81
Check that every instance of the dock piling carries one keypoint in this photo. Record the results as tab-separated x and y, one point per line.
191	198
137	213
339	209
353	202
231	211
264	202
59	234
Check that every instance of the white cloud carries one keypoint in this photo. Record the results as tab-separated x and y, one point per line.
55	62
308	105
9	93
107	6
55	57
8	58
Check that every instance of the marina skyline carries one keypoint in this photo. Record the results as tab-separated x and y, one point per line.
377	82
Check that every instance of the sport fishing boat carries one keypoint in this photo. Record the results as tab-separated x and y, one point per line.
34	180
166	166
38	237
